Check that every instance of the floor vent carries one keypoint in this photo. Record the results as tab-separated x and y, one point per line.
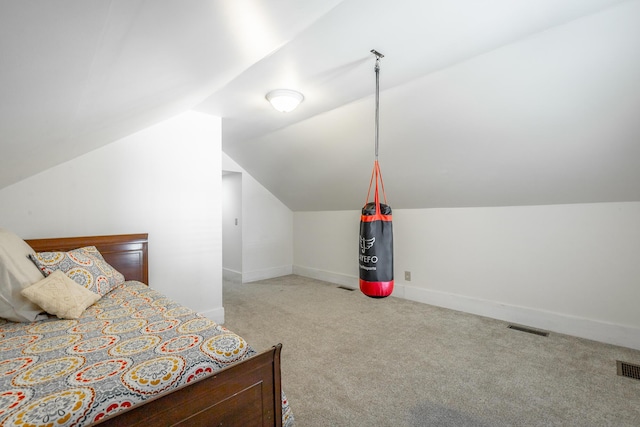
628	370
346	288
529	330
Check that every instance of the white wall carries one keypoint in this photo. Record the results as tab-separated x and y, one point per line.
165	180
232	223
566	268
325	245
267	229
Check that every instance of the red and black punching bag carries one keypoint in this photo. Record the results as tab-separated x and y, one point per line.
376	229
376	243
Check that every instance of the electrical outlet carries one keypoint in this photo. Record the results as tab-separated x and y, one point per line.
407	276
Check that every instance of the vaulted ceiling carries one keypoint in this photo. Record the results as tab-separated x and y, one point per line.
483	103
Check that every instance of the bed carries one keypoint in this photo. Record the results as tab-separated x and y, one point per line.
134	358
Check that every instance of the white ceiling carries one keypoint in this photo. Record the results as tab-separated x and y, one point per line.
483	103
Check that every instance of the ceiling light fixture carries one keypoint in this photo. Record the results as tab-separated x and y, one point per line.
284	100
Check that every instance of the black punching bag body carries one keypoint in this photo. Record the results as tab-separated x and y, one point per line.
376	245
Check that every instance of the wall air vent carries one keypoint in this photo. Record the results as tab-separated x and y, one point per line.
628	370
529	330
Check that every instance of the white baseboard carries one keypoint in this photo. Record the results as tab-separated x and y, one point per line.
232	276
216	314
604	332
268	273
327	276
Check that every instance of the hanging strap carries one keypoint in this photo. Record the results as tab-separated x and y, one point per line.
377	176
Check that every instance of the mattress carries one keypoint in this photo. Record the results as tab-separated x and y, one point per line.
131	345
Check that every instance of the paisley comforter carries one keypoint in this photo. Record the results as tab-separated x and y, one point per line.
131	345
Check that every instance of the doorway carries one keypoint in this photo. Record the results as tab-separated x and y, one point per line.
232	226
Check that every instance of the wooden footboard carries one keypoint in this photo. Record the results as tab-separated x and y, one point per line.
244	394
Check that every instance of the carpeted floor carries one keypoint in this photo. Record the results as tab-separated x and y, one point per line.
349	360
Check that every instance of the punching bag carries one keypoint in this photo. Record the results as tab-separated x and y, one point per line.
376	231
376	243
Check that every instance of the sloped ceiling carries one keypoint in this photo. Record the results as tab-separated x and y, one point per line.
483	103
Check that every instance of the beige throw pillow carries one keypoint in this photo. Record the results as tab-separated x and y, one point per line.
58	294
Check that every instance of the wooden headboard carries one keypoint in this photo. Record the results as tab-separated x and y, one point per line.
127	253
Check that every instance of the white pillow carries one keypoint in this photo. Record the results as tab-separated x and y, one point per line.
60	295
16	273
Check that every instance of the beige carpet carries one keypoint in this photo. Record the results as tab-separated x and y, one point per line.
349	360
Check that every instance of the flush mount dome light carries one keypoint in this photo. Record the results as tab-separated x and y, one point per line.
284	100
